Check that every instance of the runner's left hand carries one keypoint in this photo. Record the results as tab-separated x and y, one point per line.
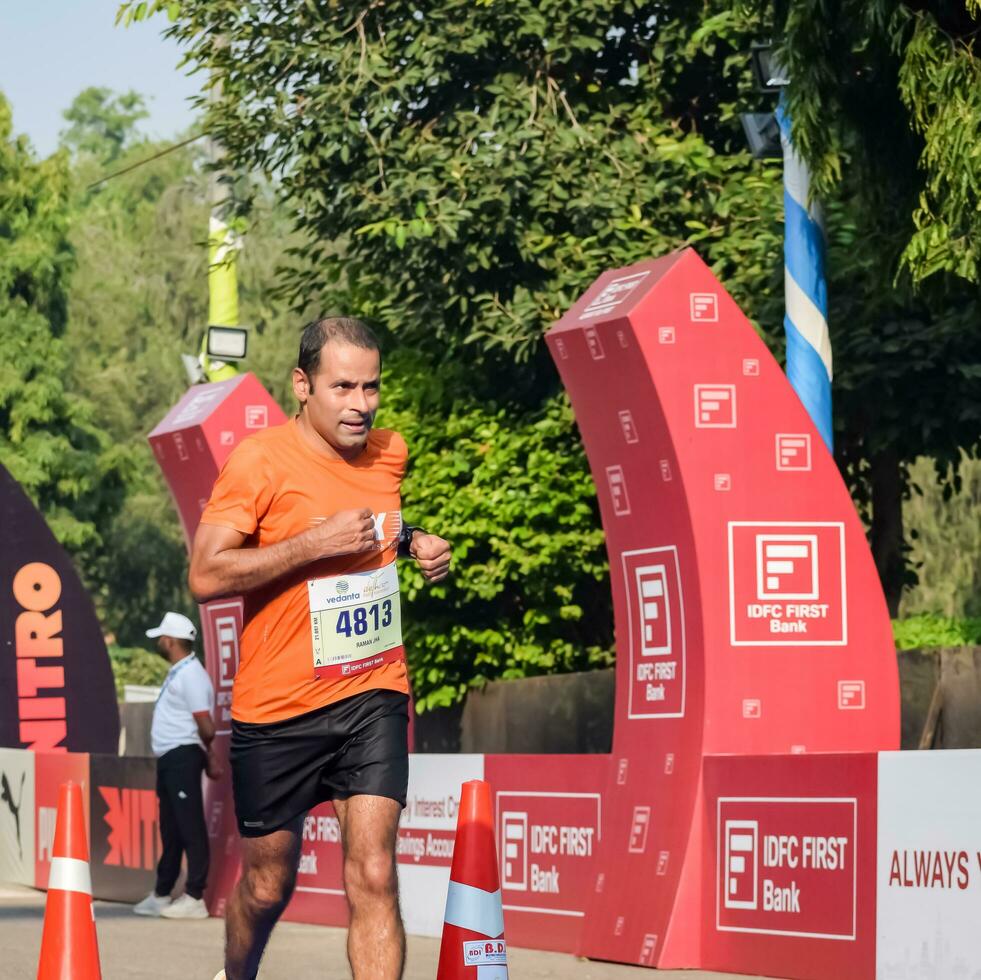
433	555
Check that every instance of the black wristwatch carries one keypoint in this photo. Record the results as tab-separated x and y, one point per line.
405	540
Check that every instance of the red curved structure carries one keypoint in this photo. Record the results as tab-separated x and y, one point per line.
749	616
749	621
191	443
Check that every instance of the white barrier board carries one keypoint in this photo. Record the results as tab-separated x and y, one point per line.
17	816
928	915
426	836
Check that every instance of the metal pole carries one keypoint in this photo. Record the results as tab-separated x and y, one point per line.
223	248
809	367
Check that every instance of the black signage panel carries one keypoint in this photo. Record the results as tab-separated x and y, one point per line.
125	826
56	686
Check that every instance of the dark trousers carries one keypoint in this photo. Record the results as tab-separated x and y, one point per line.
182	826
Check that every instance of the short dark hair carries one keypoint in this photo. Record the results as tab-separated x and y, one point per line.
346	329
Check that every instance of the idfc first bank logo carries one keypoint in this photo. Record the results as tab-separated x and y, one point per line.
652	582
547	846
787	584
787	866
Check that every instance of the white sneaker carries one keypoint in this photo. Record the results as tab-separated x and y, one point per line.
186	908
220	976
153	904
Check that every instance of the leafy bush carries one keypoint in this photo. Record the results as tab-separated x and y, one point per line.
946	540
528	594
929	630
134	665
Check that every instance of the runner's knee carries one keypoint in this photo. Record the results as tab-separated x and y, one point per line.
268	888
372	876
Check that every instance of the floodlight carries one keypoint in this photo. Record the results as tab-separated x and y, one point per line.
762	133
227	343
767	71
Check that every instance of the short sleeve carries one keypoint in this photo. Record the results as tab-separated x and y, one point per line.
399	453
197	691
242	492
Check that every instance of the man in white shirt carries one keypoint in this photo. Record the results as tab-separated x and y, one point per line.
181	735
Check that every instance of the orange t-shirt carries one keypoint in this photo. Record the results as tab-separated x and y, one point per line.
273	487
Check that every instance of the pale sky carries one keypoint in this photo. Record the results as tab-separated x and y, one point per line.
52	49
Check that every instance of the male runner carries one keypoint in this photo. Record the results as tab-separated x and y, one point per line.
304	521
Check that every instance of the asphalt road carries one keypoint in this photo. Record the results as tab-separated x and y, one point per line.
136	948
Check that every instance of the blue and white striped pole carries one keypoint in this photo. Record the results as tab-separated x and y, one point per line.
806	319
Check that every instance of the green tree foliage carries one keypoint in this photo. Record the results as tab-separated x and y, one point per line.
460	172
482	163
946	545
49	439
883	87
886	108
138	298
940	84
133	307
136	665
103	124
528	594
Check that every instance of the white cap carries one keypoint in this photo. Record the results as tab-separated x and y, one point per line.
176	625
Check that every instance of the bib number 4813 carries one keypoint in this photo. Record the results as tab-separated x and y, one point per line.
355	621
362	618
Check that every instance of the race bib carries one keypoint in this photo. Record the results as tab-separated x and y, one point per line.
355	621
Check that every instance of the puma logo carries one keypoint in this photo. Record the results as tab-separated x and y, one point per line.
7	796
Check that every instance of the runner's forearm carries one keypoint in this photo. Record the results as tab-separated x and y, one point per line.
239	570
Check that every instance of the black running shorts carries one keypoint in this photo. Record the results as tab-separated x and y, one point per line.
351	747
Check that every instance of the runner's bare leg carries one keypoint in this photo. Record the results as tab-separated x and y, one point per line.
263	890
375	938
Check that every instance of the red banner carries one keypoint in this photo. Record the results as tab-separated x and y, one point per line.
790	858
50	771
549	816
786	866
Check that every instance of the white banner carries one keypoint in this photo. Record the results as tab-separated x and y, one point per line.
425	848
17	816
928	917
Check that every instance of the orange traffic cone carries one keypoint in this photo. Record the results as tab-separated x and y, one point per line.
473	946
69	950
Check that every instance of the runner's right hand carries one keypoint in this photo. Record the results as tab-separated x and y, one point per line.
348	532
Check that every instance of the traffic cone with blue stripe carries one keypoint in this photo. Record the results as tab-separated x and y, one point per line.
473	946
69	950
